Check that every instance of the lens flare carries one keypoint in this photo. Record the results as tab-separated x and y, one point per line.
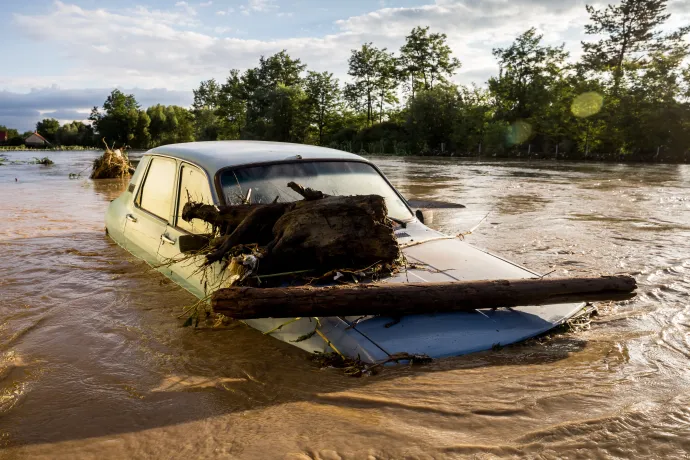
518	132
587	104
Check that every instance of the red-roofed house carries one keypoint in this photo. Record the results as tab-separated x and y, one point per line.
36	140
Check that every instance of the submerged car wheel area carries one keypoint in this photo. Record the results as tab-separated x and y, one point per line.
146	220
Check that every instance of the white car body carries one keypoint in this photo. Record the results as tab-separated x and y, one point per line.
154	238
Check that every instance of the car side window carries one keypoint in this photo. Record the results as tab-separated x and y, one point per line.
193	187
157	192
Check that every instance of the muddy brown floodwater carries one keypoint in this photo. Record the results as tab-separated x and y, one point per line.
94	363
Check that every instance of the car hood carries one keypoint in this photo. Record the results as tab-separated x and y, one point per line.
434	257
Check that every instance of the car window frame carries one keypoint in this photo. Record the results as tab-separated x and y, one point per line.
179	194
221	195
142	184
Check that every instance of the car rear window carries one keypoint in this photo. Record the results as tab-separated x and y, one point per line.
193	187
157	191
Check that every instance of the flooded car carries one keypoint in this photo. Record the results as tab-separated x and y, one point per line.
146	220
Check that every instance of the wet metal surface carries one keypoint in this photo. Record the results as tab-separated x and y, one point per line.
93	363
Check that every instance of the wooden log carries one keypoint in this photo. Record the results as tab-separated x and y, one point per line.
226	218
415	298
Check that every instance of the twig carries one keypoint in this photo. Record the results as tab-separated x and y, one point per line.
273	275
464	234
397	357
277	328
328	342
547	274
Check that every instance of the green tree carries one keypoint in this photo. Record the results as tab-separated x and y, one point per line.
285	121
322	100
76	133
204	108
654	117
526	87
183	122
279	69
432	117
386	82
642	66
527	70
12	134
141	138
48	128
273	94
232	107
158	126
630	33
170	124
473	130
426	59
118	121
374	80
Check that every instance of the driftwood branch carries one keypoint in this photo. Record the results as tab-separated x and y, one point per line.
308	194
415	298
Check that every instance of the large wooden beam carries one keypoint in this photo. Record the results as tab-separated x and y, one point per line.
415	298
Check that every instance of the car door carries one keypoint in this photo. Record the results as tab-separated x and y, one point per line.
152	209
192	185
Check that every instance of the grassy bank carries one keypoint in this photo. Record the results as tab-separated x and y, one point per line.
23	148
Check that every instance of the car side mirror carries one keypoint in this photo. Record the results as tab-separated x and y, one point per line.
420	215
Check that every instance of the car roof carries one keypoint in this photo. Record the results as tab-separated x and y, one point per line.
215	155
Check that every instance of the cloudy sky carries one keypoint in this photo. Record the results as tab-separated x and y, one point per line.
63	57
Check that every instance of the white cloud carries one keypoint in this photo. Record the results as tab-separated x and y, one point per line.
151	49
101	48
167	48
205	4
258	6
186	7
225	12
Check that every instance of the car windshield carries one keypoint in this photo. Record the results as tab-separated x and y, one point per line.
269	182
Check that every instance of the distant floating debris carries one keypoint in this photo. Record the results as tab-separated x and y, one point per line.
113	164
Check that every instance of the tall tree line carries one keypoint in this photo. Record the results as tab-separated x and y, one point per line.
627	97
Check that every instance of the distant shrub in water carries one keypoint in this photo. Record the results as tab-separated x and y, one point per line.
43	161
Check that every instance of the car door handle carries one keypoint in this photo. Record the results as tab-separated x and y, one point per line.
131	217
167	239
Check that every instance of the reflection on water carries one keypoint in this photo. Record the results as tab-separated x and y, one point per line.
93	363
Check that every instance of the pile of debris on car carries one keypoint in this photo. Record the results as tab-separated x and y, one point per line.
323	255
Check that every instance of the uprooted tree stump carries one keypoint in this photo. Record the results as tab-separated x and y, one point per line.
320	233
